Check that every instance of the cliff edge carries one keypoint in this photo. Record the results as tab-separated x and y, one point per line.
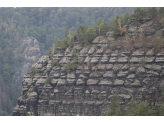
105	68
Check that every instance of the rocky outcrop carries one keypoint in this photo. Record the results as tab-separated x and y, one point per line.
29	49
89	89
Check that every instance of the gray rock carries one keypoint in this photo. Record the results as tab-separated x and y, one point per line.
100	51
82	76
101	45
149	60
109	66
147	66
150	53
61	82
40	82
117	67
108	74
118	82
64	60
87	59
105	82
136	83
91	51
67	51
84	51
92	82
95	91
123	96
112	59
136	60
56	75
95	59
159	60
138	53
125	67
156	67
54	82
96	40
71	76
80	82
123	60
102	67
140	70
122	74
105	59
131	76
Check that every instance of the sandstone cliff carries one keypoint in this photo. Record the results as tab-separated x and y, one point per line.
129	71
29	49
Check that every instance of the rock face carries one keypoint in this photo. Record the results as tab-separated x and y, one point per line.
89	89
29	50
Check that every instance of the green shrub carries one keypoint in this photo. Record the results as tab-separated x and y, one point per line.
113	47
142	62
55	63
48	79
33	71
67	67
115	108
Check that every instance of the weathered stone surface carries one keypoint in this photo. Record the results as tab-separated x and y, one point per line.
122	74
87	59
136	60
80	82
123	60
131	76
108	74
138	53
91	51
61	82
109	66
100	51
88	90
105	58
95	59
64	60
149	60
105	82
92	82
118	82
84	51
136	83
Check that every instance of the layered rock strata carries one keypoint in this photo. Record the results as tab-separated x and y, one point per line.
89	90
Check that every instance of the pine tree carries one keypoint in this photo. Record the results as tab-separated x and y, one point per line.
115	108
66	33
161	112
132	107
161	11
153	12
154	111
142	109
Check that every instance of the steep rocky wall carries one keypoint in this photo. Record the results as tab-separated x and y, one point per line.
89	90
29	48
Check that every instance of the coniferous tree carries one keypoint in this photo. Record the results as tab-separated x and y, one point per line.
115	108
132	107
161	11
